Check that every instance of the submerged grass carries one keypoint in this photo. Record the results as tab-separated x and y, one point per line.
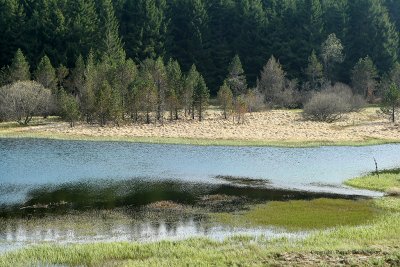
303	214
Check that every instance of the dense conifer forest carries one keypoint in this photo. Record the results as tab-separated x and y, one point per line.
207	33
104	60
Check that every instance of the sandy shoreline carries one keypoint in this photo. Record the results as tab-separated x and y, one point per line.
275	126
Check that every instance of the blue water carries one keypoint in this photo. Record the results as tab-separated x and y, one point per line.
38	162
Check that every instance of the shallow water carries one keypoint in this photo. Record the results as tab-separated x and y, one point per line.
39	177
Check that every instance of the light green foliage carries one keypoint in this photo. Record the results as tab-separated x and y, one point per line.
332	54
364	78
225	98
201	96
314	72
188	90
174	88
272	80
19	69
391	101
236	79
69	108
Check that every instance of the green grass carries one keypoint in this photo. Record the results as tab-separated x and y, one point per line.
386	180
383	233
303	214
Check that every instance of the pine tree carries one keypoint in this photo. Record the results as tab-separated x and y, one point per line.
272	80
87	95
111	51
394	75
236	79
371	32
201	96
189	88
104	103
332	54
364	78
225	98
146	92
84	29
45	74
314	72
144	28
19	69
174	88
12	29
69	108
77	78
391	101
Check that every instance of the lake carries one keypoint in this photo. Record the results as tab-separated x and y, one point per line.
39	177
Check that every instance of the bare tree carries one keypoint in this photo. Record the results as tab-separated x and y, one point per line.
21	101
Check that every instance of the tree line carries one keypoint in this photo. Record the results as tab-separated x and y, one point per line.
207	33
143	82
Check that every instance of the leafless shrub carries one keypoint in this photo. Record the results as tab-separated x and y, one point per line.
331	103
254	101
21	101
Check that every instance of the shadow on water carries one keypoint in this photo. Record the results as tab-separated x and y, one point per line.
135	193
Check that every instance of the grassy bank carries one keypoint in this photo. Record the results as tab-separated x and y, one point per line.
374	242
385	181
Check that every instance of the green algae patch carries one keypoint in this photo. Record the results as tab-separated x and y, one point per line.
302	214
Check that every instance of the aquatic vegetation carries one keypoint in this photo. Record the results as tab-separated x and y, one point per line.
302	214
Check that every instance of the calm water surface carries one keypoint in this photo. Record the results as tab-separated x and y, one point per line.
105	175
40	162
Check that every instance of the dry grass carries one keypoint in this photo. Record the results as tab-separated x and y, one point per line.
276	127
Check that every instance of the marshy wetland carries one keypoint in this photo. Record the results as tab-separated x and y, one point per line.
82	194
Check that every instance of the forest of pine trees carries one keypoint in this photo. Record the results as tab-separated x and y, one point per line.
106	59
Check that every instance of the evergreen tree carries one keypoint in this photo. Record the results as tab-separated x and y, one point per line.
45	74
395	74
146	93
88	92
69	108
272	80
201	96
236	79
144	28
314	72
157	70
104	103
77	78
84	29
19	69
189	87
111	51
391	102
364	78
372	33
332	54
12	29
175	88
225	98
